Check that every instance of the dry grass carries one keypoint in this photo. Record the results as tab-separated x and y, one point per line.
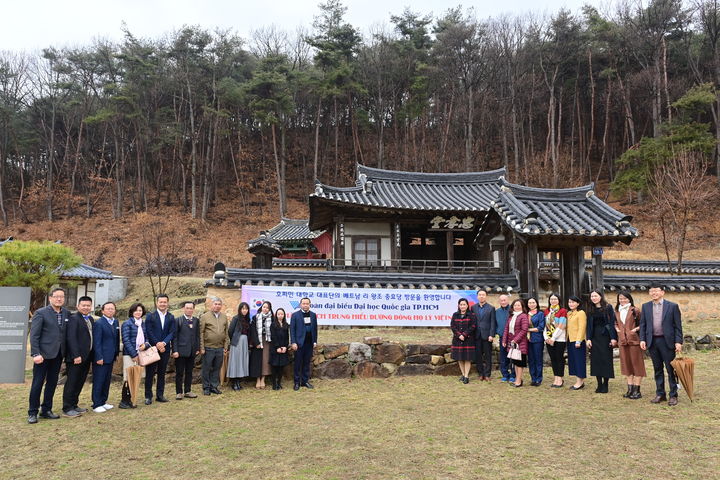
400	428
180	289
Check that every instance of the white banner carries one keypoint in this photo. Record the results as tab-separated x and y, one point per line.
364	306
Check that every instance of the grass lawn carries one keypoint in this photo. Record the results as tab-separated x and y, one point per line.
413	427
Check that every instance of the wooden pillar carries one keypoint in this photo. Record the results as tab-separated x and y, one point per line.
396	239
339	247
532	270
572	271
450	240
521	263
597	269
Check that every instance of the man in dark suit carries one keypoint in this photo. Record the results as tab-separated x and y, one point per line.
484	335
78	351
185	347
303	337
160	326
106	348
47	333
661	334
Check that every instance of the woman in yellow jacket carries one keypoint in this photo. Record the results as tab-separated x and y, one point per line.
576	328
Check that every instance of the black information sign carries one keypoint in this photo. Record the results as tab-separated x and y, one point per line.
14	307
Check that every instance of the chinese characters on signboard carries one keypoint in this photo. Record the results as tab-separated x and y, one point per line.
452	223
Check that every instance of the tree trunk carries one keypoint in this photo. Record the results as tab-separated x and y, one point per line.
317	141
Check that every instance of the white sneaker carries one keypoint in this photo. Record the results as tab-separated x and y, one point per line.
107	406
99	410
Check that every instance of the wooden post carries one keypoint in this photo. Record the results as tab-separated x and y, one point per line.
339	246
396	250
597	269
532	271
450	240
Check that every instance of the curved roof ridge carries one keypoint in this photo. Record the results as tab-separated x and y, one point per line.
375	174
524	191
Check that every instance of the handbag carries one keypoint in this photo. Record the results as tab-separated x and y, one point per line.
514	353
148	356
126	395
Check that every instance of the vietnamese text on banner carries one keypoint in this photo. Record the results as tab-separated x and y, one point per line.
364	306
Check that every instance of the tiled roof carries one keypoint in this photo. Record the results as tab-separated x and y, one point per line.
293	230
560	212
661	266
671	283
236	277
300	262
264	242
471	192
86	271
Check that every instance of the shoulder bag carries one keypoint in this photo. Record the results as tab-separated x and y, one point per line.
148	356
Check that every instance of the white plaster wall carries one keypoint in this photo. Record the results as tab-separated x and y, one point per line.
381	230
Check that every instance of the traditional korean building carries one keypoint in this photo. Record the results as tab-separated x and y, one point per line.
440	230
458	231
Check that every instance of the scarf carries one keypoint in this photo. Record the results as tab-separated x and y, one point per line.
624	309
511	328
140	339
265	320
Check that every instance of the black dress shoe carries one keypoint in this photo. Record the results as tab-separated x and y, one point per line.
32	419
148	401
162	399
71	413
658	399
296	387
308	385
49	415
534	384
80	410
216	391
466	380
206	392
125	406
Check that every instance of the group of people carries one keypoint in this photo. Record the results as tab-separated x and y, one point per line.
525	329
257	346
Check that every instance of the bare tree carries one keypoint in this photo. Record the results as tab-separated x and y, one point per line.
680	188
160	253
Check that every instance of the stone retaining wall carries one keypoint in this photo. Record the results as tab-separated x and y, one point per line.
375	358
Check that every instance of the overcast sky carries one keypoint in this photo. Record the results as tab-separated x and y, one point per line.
34	24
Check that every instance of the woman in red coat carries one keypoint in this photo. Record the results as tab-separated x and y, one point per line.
515	334
463	326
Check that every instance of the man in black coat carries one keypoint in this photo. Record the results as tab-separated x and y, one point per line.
185	347
484	335
160	326
78	355
46	348
661	334
303	336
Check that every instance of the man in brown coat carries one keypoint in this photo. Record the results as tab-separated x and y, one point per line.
213	345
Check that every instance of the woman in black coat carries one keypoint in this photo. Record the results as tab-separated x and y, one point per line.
601	339
280	334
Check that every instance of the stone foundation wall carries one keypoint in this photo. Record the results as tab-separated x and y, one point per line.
375	358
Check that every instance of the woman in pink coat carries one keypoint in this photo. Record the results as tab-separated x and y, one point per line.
516	334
